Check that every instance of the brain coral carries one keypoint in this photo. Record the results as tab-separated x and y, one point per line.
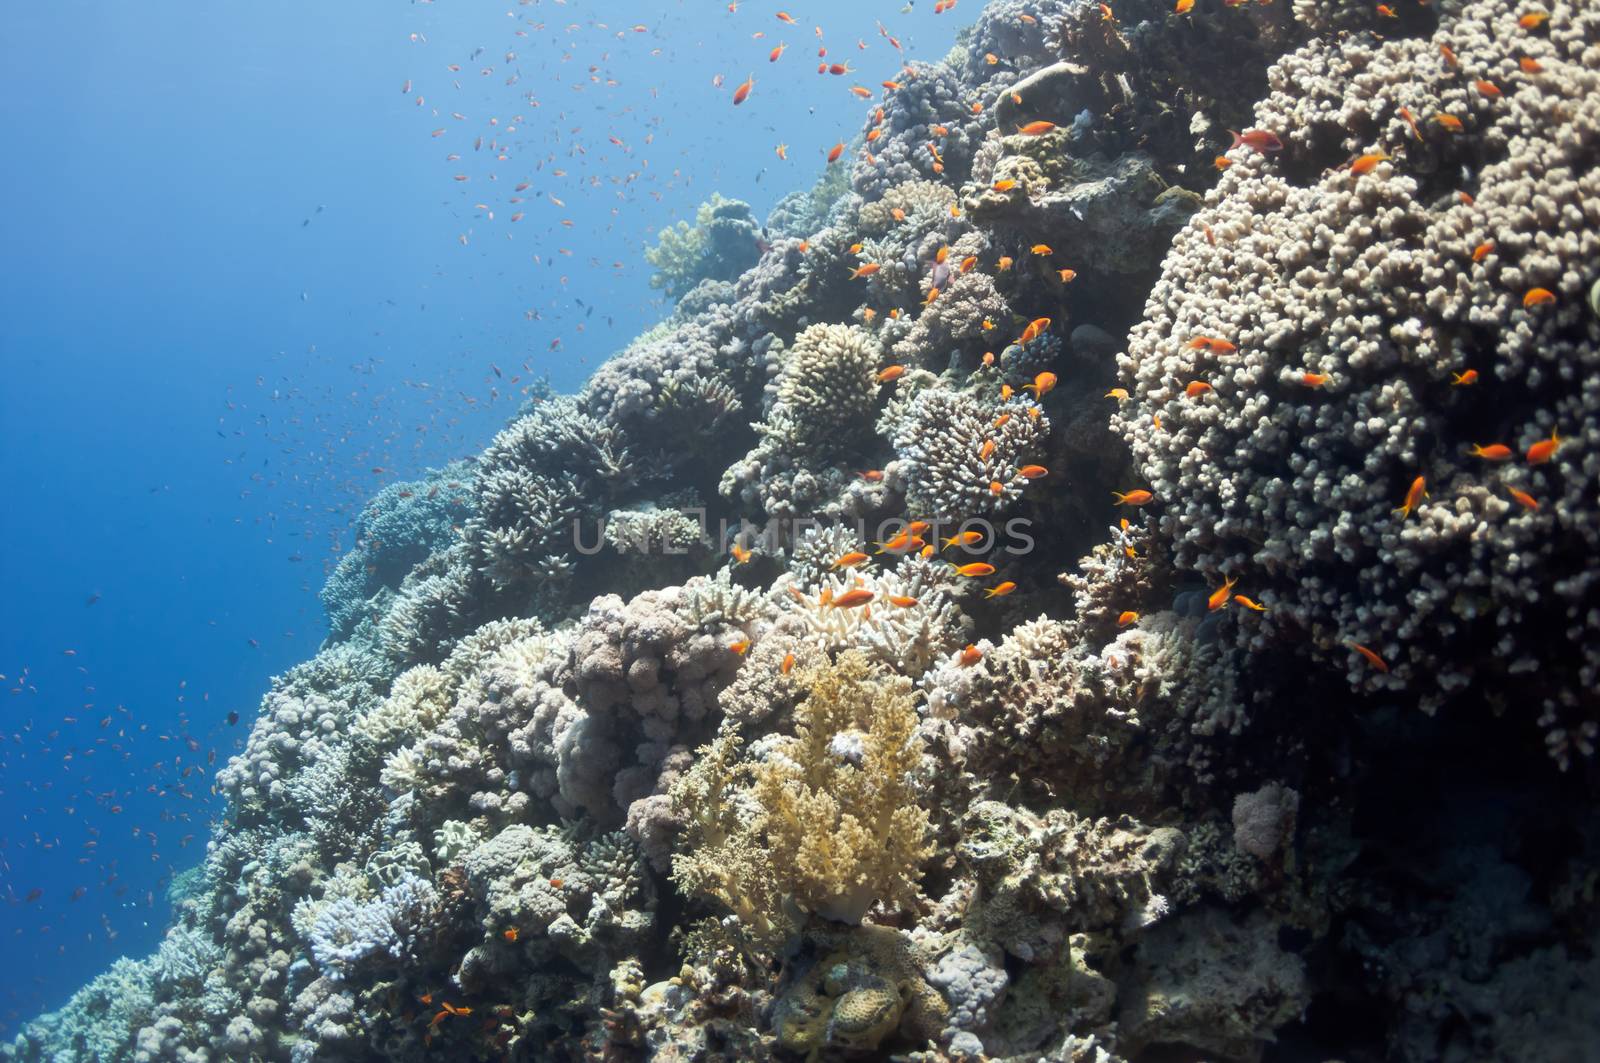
1363	332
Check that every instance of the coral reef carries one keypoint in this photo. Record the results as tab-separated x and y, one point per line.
801	690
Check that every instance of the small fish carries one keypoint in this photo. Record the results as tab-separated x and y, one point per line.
1183	7
1482	251
1522	498
1127	616
985	450
1544	450
1385	11
1250	603
1449	55
1366	163
1314	380
1222	162
891	374
1196	387
1448	121
742	93
1120	394
1417	492
969	656
940	255
1261	140
1411	120
1372	658
990	58
741	647
1035	129
782	151
1492	452
903	601
966	538
834	153
968	262
996	488
873	476
1042	383
510	935
1004	263
1067	275
772	57
999	590
1487	89
1538	297
852	598
788	664
933	293
1533	19
1464	379
1211	343
1041	249
1005	185
1033	472
1530	65
1219	597
865	270
1136	497
850	560
1032	332
899	544
975	570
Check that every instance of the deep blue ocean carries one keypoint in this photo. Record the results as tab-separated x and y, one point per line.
244	289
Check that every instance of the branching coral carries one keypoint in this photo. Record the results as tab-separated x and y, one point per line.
828	819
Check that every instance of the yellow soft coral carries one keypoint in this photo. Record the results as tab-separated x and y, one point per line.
828	822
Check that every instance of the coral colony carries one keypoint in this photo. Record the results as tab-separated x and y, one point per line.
1183	640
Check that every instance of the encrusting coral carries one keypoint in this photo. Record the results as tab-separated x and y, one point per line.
801	690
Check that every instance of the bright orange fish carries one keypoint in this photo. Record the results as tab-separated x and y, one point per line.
740	647
970	656
968	262
837	150
1035	327
788	664
1538	297
1449	121
1417	492
1533	20
742	93
904	601
850	560
1033	472
1249	603
1492	452
975	570
1004	186
1034	129
1522	498
1196	387
866	270
893	373
1488	89
1127	617
966	538
1314	380
852	598
1544	450
1137	497
1261	140
1041	249
1464	379
999	590
1219	597
986	449
1482	250
1041	383
776	52
1366	163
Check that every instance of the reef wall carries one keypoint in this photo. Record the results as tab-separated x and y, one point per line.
1233	696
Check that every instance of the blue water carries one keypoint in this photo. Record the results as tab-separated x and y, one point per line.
236	301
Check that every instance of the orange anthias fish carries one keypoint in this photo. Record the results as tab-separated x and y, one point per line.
740	554
852	598
1211	343
1372	658
1219	597
1196	387
1041	384
1522	498
1137	497
788	664
865	270
1033	472
966	538
999	590
1466	378
510	935
1314	380
1492	452
742	93
970	656
975	570
850	560
1004	185
1035	327
891	374
741	647
1250	603
1417	492
836	151
1034	129
1041	249
1366	163
1538	297
899	544
1127	617
1261	140
1544	450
